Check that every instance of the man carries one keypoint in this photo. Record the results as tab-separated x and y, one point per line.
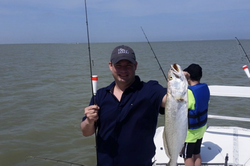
198	99
127	112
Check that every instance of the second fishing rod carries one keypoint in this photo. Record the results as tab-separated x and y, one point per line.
243	49
245	68
154	54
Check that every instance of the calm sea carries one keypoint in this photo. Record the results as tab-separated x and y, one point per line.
45	87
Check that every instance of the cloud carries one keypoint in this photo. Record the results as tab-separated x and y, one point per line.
50	19
66	4
149	7
128	7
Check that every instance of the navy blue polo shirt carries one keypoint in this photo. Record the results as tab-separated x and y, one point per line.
126	128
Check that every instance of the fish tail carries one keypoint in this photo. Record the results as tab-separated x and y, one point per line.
171	163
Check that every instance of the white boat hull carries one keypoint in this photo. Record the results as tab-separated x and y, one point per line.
218	142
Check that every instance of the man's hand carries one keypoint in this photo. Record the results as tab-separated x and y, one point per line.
91	112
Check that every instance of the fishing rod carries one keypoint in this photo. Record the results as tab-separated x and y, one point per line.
94	78
55	160
154	53
243	50
245	68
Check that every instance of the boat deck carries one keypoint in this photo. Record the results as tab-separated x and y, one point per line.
220	146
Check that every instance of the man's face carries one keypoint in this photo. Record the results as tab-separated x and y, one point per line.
123	71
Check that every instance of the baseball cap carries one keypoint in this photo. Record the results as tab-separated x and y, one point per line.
122	52
195	71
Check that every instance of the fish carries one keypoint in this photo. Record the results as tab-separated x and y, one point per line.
176	113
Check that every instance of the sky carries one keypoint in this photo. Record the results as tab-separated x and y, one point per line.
64	21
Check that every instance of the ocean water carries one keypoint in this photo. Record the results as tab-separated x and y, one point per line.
45	87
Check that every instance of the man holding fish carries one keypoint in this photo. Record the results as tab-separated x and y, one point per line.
126	114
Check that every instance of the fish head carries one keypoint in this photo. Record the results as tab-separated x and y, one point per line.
177	83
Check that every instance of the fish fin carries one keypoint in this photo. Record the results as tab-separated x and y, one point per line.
180	99
165	145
